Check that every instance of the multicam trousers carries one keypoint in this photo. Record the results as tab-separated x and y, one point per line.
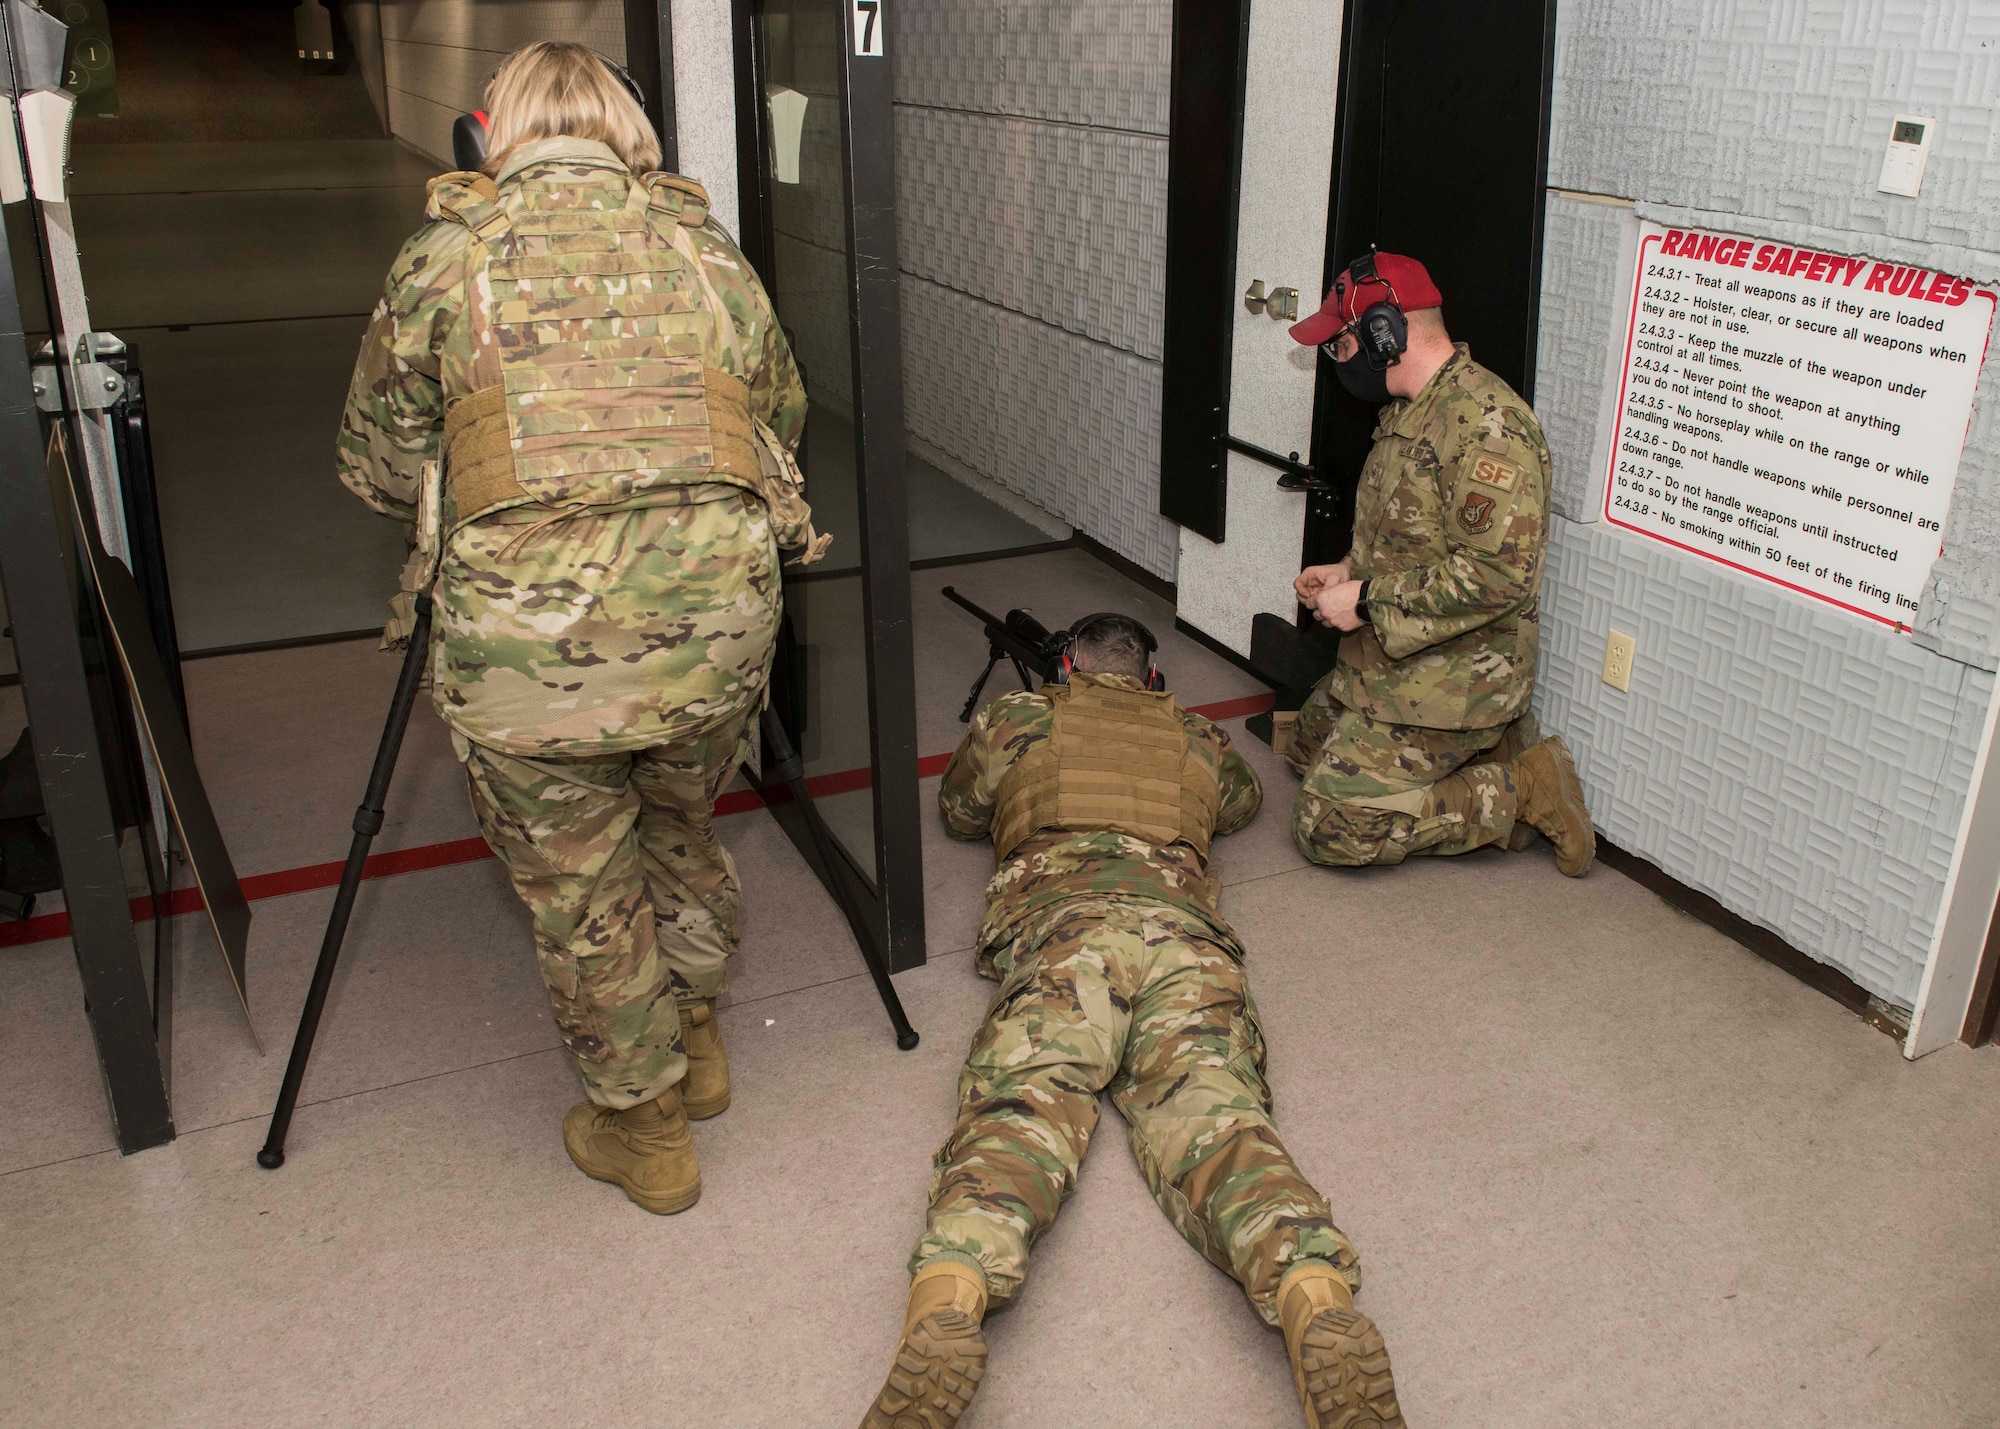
1377	792
635	900
1144	1001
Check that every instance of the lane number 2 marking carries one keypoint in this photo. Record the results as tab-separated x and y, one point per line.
868	27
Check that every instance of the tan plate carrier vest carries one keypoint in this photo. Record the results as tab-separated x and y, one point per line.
1116	760
598	316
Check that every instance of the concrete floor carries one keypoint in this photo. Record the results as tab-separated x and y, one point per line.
1604	1166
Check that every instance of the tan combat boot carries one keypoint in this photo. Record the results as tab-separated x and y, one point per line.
1550	797
1521	736
647	1149
705	1093
942	1356
1340	1366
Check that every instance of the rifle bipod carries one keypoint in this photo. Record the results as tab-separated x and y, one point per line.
994	655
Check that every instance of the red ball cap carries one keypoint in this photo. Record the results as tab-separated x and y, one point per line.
1399	280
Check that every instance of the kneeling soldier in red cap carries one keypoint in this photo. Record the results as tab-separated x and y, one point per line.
1420	739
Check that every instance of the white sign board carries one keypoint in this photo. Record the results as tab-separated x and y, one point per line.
1797	415
868	37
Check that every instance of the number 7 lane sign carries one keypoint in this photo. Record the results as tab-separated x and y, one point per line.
868	27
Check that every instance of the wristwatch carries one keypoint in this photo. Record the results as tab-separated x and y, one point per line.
1361	604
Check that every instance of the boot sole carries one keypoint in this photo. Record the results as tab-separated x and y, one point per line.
659	1205
938	1367
1345	1367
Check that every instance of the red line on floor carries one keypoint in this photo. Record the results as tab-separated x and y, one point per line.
444	855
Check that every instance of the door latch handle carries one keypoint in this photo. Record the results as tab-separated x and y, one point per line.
1278	304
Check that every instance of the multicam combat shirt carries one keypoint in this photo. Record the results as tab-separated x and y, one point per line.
625	625
1450	530
1056	865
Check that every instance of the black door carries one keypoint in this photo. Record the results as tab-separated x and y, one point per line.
1441	153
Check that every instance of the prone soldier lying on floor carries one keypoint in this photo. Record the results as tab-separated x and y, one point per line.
1117	973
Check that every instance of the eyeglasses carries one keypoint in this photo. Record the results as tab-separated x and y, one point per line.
1331	347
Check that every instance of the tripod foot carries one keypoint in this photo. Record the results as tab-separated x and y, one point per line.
270	1158
905	1041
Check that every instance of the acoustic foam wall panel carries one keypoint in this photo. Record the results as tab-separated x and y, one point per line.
1578	352
1805	768
1031	192
1102	64
1070	424
1060	223
1781	108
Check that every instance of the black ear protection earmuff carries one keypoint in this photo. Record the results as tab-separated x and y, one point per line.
1382	329
1066	662
624	77
468	141
468	131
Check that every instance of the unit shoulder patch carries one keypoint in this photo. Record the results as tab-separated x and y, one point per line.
1492	471
1475	514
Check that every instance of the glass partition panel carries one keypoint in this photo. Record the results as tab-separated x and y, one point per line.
825	665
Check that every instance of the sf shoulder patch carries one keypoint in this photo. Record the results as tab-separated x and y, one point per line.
1491	471
1483	497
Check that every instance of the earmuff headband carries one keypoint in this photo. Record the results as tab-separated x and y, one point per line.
1382	329
625	78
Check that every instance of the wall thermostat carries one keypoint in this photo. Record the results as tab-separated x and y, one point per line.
1909	148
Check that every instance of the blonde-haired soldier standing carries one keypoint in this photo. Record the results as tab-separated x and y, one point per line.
576	389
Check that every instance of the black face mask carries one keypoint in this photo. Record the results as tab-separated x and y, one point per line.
1362	378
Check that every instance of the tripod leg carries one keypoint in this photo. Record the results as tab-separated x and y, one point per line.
1022	671
793	773
367	823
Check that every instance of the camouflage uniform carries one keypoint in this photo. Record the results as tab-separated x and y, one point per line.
1450	530
1117	972
604	628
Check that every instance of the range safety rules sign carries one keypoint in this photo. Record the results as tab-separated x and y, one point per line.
1795	414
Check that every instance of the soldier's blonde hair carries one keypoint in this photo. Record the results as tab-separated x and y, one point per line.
551	88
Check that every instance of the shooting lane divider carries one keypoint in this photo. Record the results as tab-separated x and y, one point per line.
286	881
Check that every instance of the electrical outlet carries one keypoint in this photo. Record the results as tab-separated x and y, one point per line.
1620	650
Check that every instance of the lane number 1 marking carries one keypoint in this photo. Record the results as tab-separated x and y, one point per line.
868	27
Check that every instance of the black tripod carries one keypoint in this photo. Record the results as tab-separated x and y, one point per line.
368	823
